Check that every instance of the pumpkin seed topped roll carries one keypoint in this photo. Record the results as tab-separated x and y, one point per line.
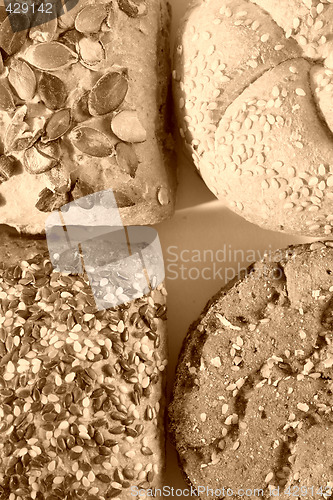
83	108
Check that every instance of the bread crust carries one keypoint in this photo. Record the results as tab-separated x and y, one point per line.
259	353
137	47
81	391
236	108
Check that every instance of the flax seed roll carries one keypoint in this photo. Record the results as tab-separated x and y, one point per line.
81	390
253	86
83	108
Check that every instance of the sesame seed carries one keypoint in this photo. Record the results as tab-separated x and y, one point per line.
296	23
288	205
302	40
303	407
216	362
300	92
264	38
236	445
313	181
269	477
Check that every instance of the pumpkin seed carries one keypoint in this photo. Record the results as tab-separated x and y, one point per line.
51	149
80	111
123	200
91	141
18	134
70	12
108	93
126	158
70	38
13	33
90	18
36	162
50	56
163	196
111	17
49	200
133	8
52	91
1	64
91	52
7	167
22	79
6	99
58	125
127	126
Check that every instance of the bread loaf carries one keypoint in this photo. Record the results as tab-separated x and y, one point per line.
253	91
84	107
81	390
252	401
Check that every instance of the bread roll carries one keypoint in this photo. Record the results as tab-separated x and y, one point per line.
252	398
84	108
253	91
81	390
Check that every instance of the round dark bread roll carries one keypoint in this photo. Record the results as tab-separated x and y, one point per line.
253	86
252	400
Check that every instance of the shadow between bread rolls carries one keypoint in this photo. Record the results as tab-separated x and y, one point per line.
253	85
252	400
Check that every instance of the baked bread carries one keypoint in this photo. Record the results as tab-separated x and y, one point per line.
84	107
253	94
81	390
252	400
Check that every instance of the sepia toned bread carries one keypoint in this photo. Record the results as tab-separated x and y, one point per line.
84	108
252	398
253	94
81	390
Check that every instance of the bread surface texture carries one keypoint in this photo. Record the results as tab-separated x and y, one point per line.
81	390
252	402
253	94
84	109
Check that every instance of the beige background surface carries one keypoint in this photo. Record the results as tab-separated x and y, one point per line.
202	223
